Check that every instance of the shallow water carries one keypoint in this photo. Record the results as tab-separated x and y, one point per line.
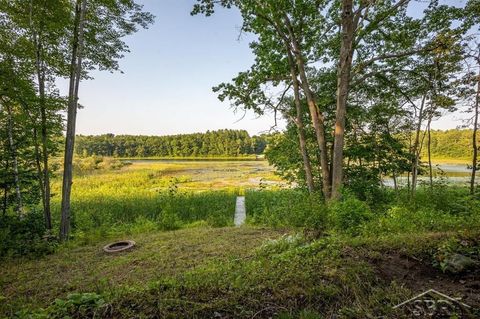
451	173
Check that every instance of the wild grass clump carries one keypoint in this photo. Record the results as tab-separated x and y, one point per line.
106	216
285	208
430	209
349	214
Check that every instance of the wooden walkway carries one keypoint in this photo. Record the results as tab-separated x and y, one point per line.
240	211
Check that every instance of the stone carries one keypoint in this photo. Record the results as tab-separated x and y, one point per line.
457	263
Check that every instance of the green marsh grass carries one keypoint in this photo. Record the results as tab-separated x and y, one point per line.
159	195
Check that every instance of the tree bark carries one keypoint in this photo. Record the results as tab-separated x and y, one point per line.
301	130
318	125
44	135
39	175
13	151
475	130
317	118
416	146
429	152
343	83
75	75
5	192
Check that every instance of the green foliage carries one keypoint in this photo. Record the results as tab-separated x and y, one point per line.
437	209
226	143
131	213
283	208
77	305
83	165
455	144
349	214
24	235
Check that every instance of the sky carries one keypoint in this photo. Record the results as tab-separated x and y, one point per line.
167	80
168	75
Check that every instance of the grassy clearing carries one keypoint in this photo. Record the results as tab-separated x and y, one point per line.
198	158
157	255
206	273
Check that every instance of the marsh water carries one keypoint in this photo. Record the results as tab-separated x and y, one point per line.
450	173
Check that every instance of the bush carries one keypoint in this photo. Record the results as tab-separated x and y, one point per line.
76	305
24	235
349	214
84	165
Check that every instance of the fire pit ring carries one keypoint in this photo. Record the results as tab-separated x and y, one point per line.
119	246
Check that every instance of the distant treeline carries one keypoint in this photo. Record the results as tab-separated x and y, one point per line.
222	143
232	143
449	144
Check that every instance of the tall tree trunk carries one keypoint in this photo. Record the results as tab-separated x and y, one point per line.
44	134
39	174
294	47
5	192
475	130
13	150
299	122
43	175
75	76
318	125
429	152
416	145
343	83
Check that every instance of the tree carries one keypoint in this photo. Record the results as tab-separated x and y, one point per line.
98	29
75	77
470	94
288	34
303	34
38	30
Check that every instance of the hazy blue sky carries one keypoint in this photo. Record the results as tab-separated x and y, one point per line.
168	76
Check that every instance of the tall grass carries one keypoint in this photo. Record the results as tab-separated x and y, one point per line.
126	212
285	208
446	208
145	197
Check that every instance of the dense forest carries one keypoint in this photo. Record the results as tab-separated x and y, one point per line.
451	144
445	144
221	143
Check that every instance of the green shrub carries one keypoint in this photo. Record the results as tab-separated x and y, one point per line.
168	220
349	214
83	305
24	235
